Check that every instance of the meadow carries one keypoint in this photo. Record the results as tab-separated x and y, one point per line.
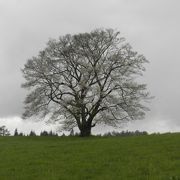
152	157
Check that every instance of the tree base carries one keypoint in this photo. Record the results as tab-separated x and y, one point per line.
85	132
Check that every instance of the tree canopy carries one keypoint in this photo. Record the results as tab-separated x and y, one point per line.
86	79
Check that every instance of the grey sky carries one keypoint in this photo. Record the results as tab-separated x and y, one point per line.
151	26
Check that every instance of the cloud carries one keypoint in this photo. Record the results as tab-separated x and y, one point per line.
151	27
156	124
12	123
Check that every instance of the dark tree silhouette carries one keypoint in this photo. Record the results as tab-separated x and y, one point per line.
44	133
86	79
4	131
16	132
32	133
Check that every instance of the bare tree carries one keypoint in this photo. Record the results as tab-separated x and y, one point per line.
86	79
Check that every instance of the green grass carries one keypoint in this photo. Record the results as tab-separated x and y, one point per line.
73	158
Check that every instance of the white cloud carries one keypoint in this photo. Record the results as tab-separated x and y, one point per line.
12	123
152	28
156	124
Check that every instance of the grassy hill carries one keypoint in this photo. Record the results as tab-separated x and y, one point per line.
73	158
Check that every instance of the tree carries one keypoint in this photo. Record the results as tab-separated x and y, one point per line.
32	133
44	133
16	132
86	79
4	131
21	134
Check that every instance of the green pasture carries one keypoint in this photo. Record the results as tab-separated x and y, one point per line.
154	157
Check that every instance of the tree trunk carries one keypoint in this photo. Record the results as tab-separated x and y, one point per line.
85	131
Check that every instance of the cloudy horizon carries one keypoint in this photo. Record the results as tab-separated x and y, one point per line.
151	28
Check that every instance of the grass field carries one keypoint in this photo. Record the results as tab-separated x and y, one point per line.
155	157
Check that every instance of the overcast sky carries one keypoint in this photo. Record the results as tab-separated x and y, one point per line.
151	26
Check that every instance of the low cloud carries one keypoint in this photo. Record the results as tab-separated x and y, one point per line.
12	123
151	27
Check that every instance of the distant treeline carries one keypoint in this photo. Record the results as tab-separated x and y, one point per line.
126	133
32	133
5	132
